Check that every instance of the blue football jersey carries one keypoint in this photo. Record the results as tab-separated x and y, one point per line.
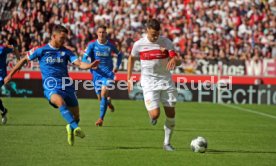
103	53
4	51
53	65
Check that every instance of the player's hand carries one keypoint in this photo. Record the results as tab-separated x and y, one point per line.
171	64
95	64
175	61
115	70
7	79
130	85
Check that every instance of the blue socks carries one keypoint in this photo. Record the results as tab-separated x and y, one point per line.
67	115
103	107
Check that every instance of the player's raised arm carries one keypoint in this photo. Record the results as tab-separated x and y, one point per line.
130	65
133	55
15	69
120	56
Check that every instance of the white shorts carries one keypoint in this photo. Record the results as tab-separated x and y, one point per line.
153	97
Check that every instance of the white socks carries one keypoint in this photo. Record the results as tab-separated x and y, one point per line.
168	128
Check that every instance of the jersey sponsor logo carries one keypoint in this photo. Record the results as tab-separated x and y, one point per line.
105	54
54	60
153	54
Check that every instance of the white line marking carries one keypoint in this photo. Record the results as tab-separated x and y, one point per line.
249	110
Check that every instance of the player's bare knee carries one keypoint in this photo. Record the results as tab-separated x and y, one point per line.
170	112
104	94
57	100
154	114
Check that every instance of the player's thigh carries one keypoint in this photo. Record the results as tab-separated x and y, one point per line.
151	99
169	97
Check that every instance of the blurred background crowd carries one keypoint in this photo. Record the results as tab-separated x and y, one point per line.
200	29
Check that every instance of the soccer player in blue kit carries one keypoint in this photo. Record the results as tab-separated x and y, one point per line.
4	51
103	77
53	59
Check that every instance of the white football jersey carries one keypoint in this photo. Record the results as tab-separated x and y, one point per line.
154	62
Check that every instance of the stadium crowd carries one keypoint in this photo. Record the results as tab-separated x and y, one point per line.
208	29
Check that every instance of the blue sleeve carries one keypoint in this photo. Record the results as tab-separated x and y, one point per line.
33	54
119	56
119	59
72	56
88	54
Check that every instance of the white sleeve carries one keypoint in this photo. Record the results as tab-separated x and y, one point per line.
135	50
169	45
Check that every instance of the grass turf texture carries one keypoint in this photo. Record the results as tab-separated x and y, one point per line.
35	135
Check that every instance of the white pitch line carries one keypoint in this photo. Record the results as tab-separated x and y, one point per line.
249	110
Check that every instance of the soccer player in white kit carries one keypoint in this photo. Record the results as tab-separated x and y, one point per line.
157	58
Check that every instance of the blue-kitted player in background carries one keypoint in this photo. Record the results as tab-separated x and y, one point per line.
4	51
53	59
103	77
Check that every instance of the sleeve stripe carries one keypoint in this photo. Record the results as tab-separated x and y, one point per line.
74	60
28	56
172	53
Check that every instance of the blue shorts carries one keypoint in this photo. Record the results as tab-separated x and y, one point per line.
70	98
100	81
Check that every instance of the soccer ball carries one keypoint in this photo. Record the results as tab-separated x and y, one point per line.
199	144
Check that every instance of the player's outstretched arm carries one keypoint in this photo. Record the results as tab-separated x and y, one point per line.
130	65
15	69
119	61
85	66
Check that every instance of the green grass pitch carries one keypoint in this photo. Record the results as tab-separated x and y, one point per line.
238	135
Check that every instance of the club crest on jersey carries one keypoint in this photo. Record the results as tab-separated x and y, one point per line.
62	53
